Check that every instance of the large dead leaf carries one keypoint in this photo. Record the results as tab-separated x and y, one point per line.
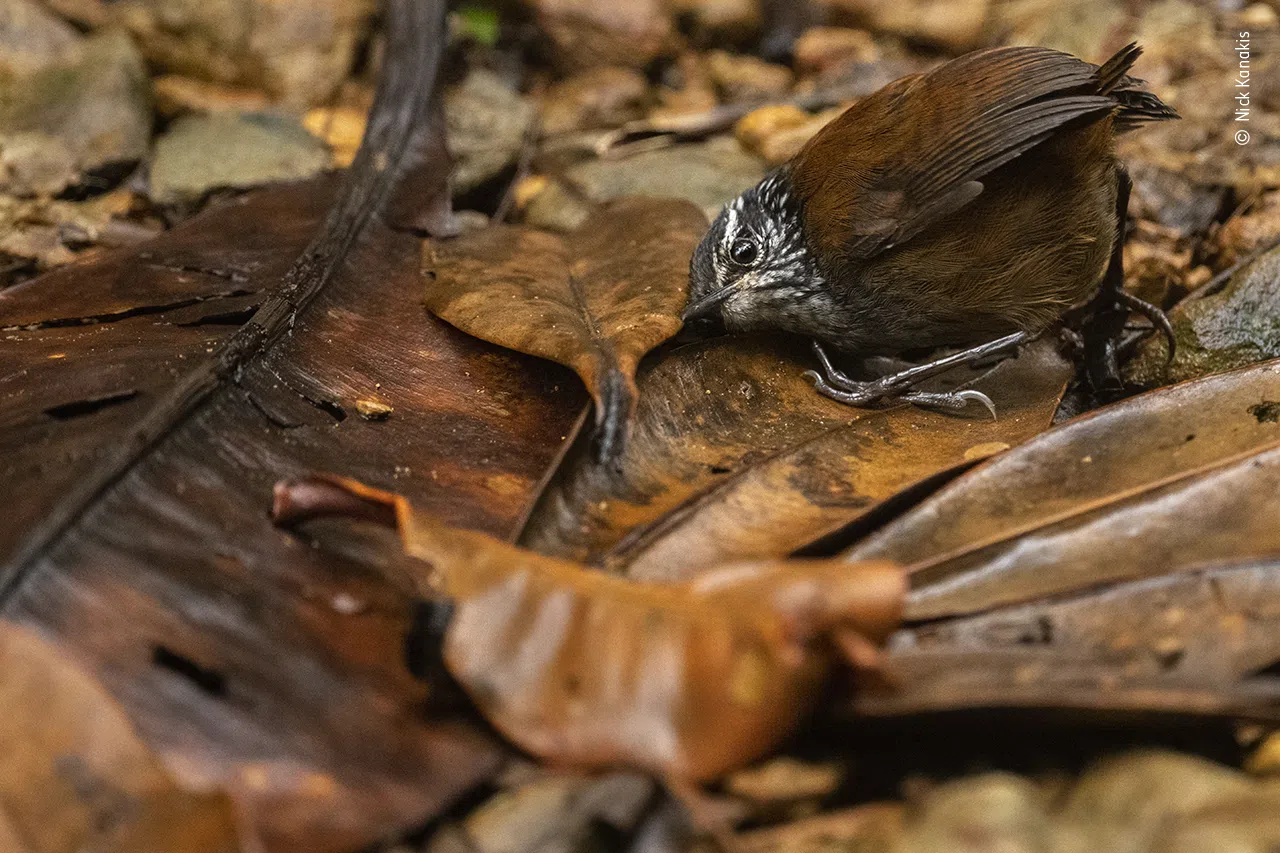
1198	642
735	456
584	668
596	300
1174	478
75	777
145	422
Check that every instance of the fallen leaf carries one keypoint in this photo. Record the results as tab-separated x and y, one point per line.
583	668
152	397
815	487
1177	477
595	301
1200	642
735	456
74	776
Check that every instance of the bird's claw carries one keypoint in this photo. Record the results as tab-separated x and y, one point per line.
837	386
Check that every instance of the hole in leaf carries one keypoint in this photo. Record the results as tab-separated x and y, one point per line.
1271	670
226	318
80	408
208	680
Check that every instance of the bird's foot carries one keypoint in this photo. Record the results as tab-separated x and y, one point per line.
1108	341
834	383
1159	319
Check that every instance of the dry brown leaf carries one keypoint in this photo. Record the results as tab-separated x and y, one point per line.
150	398
1194	643
583	668
596	300
782	502
1177	477
74	776
735	456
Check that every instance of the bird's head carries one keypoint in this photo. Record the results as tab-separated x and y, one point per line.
753	271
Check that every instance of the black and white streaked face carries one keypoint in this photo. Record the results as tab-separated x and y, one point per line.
753	270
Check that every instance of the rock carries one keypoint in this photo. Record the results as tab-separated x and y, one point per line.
599	98
778	133
203	153
743	78
709	174
299	51
732	22
784	786
32	39
1236	325
1130	802
69	117
1083	28
979	814
555	812
687	88
823	50
954	25
585	34
487	123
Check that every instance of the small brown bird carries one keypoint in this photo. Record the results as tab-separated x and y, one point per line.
979	200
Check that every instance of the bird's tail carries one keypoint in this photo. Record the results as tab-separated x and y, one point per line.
1137	105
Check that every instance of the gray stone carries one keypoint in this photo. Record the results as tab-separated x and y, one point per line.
710	174
1230	328
487	122
85	109
203	153
32	39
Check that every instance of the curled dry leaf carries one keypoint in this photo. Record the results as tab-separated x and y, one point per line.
735	456
74	776
1177	477
583	668
596	300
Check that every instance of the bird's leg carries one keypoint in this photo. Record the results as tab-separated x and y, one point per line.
835	384
1107	313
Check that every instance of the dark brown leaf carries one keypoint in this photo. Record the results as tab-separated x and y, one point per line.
74	776
1175	478
735	456
583	668
145	423
596	300
1200	642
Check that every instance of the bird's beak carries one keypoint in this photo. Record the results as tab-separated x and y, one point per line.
703	306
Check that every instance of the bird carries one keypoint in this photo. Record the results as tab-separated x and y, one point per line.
972	205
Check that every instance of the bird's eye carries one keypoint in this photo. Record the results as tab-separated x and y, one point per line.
744	252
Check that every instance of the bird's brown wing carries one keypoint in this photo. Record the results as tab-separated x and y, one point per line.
916	150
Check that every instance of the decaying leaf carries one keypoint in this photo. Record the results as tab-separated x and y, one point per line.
74	776
596	300
584	668
150	400
1174	478
1194	643
814	487
736	456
